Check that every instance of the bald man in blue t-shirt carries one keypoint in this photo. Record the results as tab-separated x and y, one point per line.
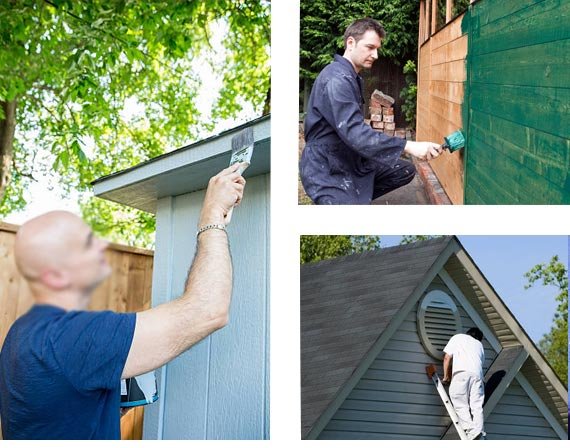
61	366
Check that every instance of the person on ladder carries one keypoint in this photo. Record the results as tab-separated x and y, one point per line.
463	367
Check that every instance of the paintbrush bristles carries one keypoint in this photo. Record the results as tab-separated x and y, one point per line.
242	140
454	141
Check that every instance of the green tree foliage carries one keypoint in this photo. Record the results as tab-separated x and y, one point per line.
69	69
323	23
407	239
322	247
409	94
554	345
459	7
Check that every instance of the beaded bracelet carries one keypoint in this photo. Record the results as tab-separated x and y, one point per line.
209	227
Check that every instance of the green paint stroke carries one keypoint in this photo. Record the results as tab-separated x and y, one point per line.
465	29
516	106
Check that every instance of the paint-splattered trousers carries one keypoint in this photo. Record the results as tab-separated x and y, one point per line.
467	394
331	180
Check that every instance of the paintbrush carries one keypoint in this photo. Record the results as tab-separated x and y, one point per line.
454	141
242	149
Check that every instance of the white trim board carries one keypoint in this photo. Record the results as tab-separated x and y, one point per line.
550	418
470	310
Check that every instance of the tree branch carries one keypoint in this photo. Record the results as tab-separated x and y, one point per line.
7	130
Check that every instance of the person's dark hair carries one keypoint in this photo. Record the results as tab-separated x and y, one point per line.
475	333
357	29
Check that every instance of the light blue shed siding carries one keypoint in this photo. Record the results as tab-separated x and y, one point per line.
219	389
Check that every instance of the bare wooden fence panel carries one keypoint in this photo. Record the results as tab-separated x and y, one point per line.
128	289
441	74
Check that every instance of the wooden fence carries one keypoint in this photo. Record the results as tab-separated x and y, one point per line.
518	91
128	289
499	72
441	74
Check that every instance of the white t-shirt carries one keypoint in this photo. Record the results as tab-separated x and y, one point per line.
468	354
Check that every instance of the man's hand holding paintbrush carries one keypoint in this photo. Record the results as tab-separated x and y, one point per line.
225	190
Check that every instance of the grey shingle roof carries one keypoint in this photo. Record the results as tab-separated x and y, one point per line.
346	303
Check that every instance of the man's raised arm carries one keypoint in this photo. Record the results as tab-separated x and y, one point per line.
164	332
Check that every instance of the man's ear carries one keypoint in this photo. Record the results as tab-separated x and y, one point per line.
55	279
350	43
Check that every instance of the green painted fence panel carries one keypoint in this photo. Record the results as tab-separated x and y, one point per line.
517	102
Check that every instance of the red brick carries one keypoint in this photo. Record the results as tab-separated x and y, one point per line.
382	98
375	103
375	117
388	118
378	125
375	110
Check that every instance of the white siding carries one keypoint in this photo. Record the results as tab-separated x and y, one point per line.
395	399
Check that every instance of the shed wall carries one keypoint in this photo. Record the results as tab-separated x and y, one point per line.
395	399
518	87
219	389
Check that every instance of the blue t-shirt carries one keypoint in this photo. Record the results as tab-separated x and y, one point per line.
60	374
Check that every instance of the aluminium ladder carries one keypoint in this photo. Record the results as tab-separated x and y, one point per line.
432	374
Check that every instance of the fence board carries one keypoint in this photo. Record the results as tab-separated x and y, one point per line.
518	132
128	289
441	75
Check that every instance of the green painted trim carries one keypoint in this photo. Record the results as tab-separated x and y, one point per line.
535	397
466	29
452	247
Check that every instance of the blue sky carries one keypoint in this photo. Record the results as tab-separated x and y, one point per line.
504	260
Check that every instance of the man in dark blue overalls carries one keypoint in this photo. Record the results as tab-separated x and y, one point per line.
345	161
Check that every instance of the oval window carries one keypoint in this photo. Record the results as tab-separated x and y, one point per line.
438	321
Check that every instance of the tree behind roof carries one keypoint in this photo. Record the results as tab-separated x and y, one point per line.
68	68
554	344
322	247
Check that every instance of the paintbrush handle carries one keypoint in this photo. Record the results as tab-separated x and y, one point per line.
240	170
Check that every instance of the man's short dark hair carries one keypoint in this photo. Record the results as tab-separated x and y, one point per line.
357	29
475	333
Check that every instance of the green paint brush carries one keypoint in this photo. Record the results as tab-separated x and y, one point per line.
242	150
454	141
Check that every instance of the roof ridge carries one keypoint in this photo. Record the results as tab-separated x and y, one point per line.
381	250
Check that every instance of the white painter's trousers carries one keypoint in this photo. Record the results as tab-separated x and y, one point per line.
467	394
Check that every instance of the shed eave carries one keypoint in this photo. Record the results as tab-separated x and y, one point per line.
185	170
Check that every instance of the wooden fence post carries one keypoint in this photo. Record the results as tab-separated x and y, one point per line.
427	20
433	16
448	10
421	24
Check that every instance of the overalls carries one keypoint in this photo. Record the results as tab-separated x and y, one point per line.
345	161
